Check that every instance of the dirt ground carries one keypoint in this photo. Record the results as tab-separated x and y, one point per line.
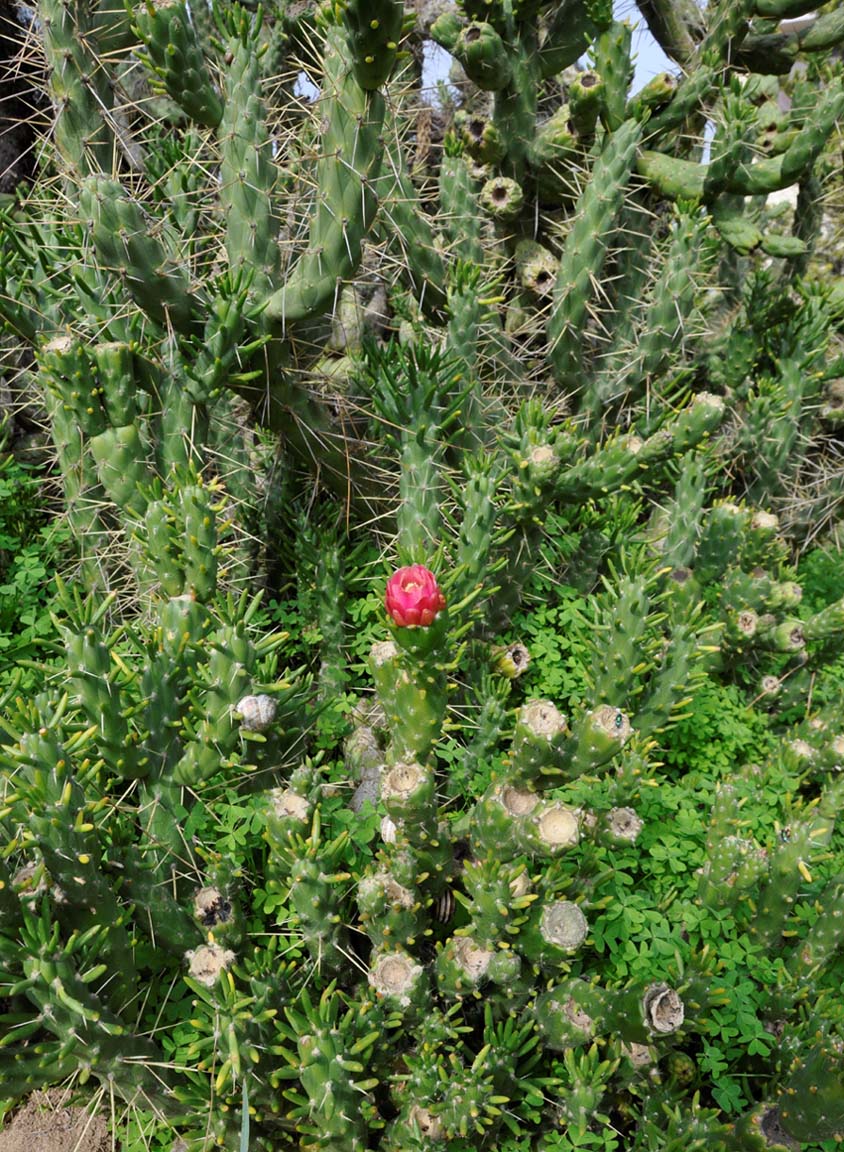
46	1124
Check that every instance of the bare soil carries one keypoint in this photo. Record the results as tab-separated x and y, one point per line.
47	1124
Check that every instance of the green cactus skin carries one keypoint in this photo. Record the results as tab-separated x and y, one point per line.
346	208
806	837
554	158
482	52
176	56
539	741
586	97
733	865
811	1102
412	691
410	232
824	937
574	1011
613	64
462	967
391	914
247	173
554	932
826	626
683	179
721	536
152	274
374	31
499	819
761	1130
328	1037
497	899
571	28
585	249
80	87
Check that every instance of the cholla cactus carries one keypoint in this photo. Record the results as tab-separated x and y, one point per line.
562	287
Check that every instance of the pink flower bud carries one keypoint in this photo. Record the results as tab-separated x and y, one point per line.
413	597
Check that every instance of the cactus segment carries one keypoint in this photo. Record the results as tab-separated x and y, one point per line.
123	242
247	172
585	249
481	51
345	210
586	101
374	31
539	741
176	57
80	87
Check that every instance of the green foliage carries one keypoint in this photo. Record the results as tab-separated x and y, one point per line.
721	731
31	546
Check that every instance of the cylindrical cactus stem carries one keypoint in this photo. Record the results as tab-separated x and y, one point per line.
799	843
150	267
550	829
642	1014
345	208
780	635
399	982
419	704
554	157
122	466
93	679
569	1015
584	251
81	87
374	30
721	539
365	760
498	895
539	742
826	627
499	819
586	96
289	813
199	541
597	737
554	932
655	95
391	914
483	56
613	64
617	647
638	1014
824	938
477	528
733	864
247	172
761	1130
409	794
332	1040
384	666
571	28
811	1101
176	59
462	967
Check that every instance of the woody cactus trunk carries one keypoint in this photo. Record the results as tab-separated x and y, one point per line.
567	313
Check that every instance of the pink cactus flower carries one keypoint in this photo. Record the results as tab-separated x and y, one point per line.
413	597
